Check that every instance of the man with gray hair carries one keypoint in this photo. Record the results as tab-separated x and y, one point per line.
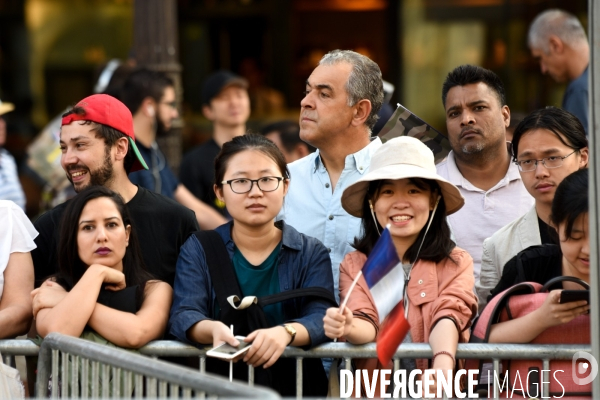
343	96
557	40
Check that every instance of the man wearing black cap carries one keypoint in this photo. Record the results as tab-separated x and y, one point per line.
226	103
150	96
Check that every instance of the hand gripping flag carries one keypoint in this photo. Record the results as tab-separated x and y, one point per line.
385	278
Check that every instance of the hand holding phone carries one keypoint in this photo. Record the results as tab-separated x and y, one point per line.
228	352
567	296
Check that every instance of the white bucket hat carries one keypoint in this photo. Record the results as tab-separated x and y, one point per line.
400	158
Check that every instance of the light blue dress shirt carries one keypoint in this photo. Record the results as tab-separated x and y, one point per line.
315	210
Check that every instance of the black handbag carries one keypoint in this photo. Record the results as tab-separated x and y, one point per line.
282	375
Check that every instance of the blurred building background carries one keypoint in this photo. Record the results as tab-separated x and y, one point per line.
50	52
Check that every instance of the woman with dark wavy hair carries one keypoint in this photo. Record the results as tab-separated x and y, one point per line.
102	284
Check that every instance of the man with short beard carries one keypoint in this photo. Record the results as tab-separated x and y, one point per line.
479	164
150	96
98	148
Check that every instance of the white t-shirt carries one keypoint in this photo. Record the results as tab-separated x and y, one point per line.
16	235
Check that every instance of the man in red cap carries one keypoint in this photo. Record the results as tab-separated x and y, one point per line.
98	148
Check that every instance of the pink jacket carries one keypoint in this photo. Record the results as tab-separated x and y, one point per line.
435	291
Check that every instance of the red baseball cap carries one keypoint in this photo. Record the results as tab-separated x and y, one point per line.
106	110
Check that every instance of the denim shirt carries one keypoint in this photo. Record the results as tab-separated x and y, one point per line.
314	209
303	262
159	178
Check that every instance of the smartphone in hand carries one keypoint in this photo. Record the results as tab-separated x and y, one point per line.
228	352
567	296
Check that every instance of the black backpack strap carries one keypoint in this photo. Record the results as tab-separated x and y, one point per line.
560	279
316	292
221	270
520	270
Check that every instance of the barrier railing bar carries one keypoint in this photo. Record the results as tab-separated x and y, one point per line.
495	352
411	350
74	374
299	377
55	373
545	378
496	369
95	380
171	348
157	369
138	385
85	370
127	383
116	383
18	347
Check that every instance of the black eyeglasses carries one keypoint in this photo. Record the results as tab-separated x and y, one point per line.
548	162
244	185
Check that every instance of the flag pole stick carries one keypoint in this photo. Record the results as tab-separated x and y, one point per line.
340	310
350	291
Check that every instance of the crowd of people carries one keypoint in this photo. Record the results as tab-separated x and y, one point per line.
288	224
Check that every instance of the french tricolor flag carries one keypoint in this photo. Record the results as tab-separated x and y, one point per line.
385	278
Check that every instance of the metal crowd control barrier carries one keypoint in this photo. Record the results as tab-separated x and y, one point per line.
17	347
161	370
86	369
346	351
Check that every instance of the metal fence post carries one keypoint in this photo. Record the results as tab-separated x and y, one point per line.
43	372
594	167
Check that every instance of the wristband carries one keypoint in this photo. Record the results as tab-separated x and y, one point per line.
446	353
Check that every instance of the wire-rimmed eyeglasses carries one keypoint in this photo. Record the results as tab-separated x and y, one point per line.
548	162
244	185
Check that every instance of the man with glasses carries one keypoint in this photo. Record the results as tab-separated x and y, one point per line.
548	145
479	164
150	96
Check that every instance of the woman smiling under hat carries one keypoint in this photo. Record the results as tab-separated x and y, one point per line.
403	190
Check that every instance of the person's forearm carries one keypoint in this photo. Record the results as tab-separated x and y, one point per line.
520	330
72	314
135	330
201	332
444	337
125	329
361	332
14	321
15	303
208	218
